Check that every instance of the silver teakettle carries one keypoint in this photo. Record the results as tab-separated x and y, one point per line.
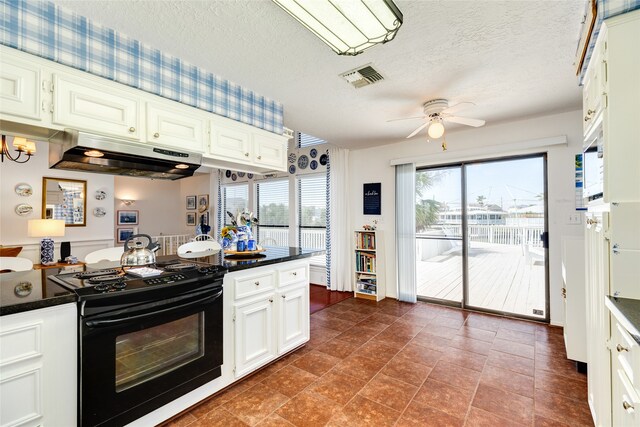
140	254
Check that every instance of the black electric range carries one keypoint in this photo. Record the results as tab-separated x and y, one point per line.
107	283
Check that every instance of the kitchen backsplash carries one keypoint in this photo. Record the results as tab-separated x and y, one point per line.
41	28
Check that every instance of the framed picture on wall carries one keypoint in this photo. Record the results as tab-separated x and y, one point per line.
127	217
125	233
191	203
191	218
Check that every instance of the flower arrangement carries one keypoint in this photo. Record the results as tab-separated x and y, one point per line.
240	227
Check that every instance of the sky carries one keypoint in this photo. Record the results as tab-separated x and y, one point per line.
499	181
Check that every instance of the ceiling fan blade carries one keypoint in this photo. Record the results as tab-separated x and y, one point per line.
465	121
458	107
418	130
406	118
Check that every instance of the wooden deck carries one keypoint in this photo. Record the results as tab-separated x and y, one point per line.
500	278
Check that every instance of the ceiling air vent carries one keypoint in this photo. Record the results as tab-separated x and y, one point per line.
362	76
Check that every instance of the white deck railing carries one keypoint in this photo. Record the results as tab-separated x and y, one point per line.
497	234
169	244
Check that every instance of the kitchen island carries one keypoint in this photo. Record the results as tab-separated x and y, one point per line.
265	314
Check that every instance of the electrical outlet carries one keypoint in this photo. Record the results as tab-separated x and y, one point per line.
575	218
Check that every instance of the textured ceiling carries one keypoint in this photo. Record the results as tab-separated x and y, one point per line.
511	58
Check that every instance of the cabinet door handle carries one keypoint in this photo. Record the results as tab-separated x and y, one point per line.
257	283
620	348
627	406
295	273
246	154
270	299
259	157
132	129
156	135
284	296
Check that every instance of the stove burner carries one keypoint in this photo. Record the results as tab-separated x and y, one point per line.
180	267
112	278
96	273
119	285
102	288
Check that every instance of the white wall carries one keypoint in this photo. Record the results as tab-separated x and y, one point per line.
98	232
373	165
161	204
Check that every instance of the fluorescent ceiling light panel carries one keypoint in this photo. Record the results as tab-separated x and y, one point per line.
347	26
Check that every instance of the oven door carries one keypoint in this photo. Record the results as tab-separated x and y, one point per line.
136	359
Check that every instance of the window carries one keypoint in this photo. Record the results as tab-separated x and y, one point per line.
304	140
312	214
273	212
235	198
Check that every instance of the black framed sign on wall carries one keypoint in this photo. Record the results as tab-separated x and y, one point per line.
371	204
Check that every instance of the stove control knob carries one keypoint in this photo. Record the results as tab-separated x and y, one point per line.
119	285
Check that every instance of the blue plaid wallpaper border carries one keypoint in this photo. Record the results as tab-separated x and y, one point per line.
43	29
605	9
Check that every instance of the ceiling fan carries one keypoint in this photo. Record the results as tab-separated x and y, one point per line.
437	111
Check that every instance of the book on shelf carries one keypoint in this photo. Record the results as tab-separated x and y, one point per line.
365	262
366	240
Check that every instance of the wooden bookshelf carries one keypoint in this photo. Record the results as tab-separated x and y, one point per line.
368	272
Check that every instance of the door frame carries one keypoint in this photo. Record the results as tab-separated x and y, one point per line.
465	234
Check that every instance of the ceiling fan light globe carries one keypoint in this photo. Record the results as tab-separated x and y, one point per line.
436	130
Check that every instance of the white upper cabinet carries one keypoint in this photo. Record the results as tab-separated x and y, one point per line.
82	104
175	128
233	143
35	91
230	143
270	152
20	90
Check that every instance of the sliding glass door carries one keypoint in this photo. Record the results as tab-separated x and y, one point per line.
439	237
481	235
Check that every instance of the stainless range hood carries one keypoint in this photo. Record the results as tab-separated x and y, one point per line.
85	152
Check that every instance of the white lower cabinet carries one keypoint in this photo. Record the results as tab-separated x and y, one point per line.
270	313
38	367
293	314
255	334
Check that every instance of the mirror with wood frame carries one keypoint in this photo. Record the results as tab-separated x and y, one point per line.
65	199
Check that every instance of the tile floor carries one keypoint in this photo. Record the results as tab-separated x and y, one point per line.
321	298
397	364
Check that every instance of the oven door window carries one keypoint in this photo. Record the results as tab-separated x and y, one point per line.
147	354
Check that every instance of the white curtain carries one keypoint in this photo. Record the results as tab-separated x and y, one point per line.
338	232
406	231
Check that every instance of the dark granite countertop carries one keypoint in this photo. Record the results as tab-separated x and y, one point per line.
627	311
272	255
31	290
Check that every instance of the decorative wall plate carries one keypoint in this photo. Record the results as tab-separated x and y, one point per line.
303	162
250	175
23	189
100	195
241	174
23	289
234	176
99	212
227	173
313	165
323	159
292	169
292	157
24	209
313	153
